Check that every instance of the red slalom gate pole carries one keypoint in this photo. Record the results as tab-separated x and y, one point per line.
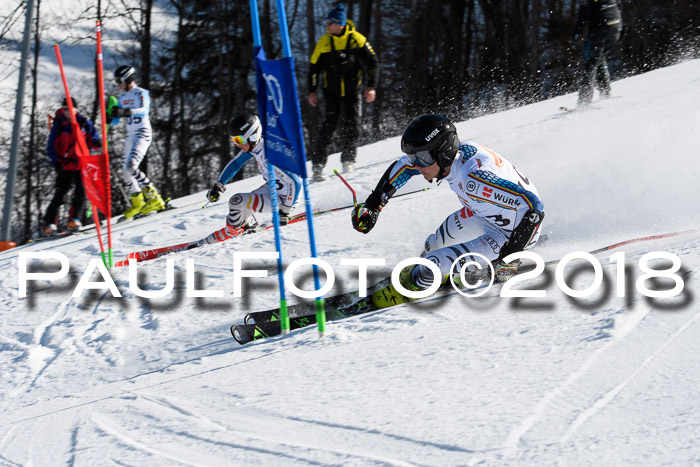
105	150
352	190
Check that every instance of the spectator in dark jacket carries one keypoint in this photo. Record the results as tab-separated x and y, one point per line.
337	63
61	151
603	21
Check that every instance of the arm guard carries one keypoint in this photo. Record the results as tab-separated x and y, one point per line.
522	235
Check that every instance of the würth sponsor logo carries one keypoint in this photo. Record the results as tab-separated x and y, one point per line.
487	192
506	199
457	215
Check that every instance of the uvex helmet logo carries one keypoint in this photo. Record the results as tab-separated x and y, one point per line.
432	134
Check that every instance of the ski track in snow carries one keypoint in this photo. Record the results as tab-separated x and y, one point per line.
283	437
5	440
572	403
610	395
560	399
59	404
39	355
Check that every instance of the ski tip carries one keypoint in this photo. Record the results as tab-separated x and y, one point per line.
51	237
238	335
119	264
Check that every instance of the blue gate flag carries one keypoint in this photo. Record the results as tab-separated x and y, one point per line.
280	113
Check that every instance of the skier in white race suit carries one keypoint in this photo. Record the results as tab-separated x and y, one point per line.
134	106
501	210
246	134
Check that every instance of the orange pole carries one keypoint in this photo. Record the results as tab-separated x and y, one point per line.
79	140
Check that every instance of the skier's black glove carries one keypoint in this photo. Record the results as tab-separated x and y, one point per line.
118	112
215	192
363	219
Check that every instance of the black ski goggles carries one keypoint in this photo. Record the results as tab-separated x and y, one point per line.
421	159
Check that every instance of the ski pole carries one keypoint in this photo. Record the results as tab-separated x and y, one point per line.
205	205
354	195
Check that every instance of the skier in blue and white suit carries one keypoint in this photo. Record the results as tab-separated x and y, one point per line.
501	212
134	106
246	134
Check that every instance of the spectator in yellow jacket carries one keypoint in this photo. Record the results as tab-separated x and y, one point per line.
340	61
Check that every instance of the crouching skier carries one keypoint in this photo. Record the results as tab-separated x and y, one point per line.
501	212
246	134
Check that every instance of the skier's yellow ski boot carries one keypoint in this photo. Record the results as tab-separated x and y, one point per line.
137	203
389	296
154	202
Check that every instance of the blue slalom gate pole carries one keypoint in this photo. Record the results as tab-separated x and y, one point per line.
284	134
272	186
320	306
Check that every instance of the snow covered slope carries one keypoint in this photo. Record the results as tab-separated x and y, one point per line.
554	380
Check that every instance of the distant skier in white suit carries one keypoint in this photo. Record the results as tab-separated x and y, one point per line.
134	105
